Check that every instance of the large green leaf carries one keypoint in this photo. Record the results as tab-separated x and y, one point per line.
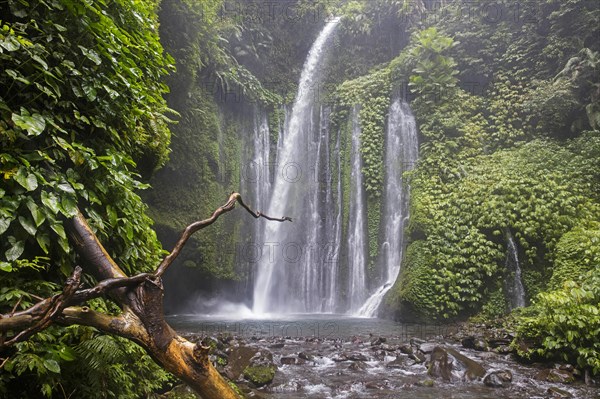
4	224
52	365
34	124
27	180
28	225
51	201
15	251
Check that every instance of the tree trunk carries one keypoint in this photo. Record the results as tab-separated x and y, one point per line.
141	300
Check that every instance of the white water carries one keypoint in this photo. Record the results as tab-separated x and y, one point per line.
401	155
515	289
357	246
288	271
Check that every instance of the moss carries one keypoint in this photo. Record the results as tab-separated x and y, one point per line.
260	375
374	228
416	283
495	304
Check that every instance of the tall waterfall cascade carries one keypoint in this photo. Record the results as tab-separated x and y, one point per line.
401	155
514	287
293	272
298	267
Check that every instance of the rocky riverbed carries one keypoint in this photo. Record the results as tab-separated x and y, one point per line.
470	361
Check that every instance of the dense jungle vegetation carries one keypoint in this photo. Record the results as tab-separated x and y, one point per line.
100	100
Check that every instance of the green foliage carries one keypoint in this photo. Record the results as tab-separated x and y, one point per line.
564	324
577	252
372	92
81	118
529	189
434	72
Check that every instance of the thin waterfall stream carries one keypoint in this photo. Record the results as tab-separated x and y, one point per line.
401	156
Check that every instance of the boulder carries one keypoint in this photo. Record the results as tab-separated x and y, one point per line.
239	358
477	343
471	370
427	347
498	379
555	375
398	363
261	369
440	365
406	349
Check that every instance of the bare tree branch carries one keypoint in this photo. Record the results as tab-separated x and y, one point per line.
55	306
199	225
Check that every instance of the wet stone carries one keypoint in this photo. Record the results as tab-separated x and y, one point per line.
479	344
406	349
306	356
555	375
398	363
427	347
357	366
288	360
558	393
418	357
498	379
440	365
357	357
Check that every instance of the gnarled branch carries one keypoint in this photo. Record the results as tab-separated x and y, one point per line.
199	225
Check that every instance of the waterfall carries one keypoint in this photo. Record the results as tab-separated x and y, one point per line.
291	264
401	155
514	287
357	232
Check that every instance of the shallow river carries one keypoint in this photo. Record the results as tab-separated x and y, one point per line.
327	338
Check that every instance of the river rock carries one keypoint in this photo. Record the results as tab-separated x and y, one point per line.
397	363
406	349
472	370
498	379
239	358
378	341
306	356
555	375
440	365
288	360
357	357
427	347
357	366
261	369
558	393
477	343
418	357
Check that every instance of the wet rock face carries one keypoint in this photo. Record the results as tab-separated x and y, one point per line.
498	379
440	365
